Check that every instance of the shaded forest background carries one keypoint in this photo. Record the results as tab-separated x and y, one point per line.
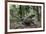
25	16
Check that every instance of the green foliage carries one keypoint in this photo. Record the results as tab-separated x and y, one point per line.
18	13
